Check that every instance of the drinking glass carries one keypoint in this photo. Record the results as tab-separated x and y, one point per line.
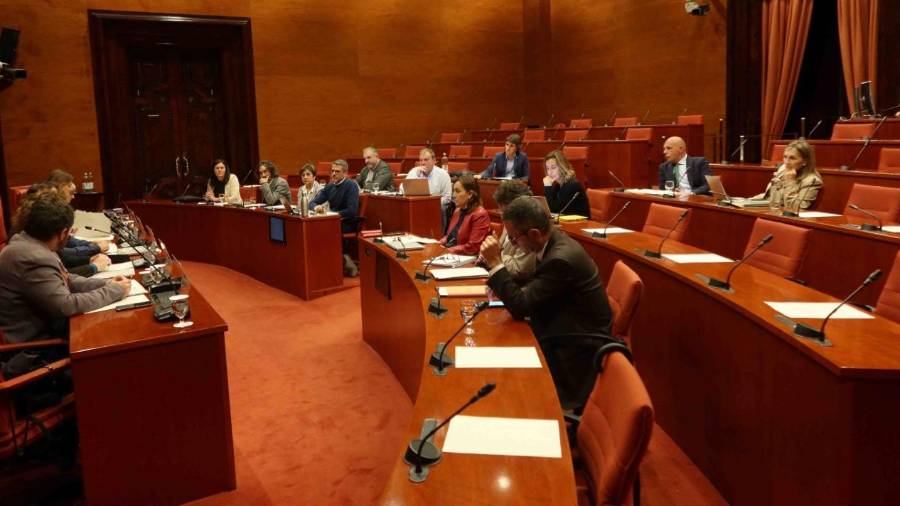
221	197
466	311
670	185
374	187
180	306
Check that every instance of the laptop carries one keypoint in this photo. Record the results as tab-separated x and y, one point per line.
718	190
416	187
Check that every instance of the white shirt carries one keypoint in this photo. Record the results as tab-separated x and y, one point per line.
438	182
683	183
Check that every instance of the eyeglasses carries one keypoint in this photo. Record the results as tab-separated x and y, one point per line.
516	238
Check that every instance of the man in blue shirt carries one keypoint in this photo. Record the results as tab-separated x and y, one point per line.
341	194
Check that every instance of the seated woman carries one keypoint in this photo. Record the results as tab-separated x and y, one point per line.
470	223
310	187
223	186
564	193
796	184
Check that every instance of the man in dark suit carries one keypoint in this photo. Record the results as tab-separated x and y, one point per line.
687	172
511	162
564	296
376	172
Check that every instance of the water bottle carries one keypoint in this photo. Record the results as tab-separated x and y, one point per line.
304	205
89	182
445	162
84	182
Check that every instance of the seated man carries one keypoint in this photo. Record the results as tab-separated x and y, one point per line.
272	187
564	296
37	294
341	195
511	162
687	172
518	261
375	173
439	184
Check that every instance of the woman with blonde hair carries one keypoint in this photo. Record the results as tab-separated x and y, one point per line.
796	183
562	189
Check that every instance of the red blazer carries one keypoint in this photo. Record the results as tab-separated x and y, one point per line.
474	230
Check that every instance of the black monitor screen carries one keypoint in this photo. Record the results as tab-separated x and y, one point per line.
276	230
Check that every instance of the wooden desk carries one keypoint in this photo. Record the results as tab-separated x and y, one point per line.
419	216
890	130
88	201
748	180
490	135
837	260
309	265
153	411
833	154
632	161
397	325
769	418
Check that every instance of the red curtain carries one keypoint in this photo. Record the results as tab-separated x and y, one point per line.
785	26
858	30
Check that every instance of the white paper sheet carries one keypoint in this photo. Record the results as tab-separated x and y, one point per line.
112	274
493	357
818	310
86	236
131	299
84	219
697	258
136	288
894	229
610	230
649	191
122	267
449	260
816	214
459	273
128	250
517	437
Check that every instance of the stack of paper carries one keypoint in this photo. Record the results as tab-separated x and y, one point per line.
122	269
449	260
610	230
463	291
565	218
518	437
818	310
649	191
493	357
816	214
459	273
894	229
84	219
697	258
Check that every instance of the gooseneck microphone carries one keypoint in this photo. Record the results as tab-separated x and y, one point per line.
423	275
602	235
621	187
646	115
867	226
435	307
150	260
658	252
247	175
813	129
438	361
866	142
420	461
565	207
726	285
818	335
401	253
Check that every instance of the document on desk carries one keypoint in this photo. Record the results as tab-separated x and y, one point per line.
459	273
816	214
450	260
610	230
136	288
650	191
818	310
128	250
894	229
84	219
463	291
121	269
497	357
131	299
697	258
517	437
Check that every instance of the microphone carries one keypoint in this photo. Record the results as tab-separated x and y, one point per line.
866	143
418	461
867	226
813	129
818	335
612	120
429	142
789	213
401	253
739	148
726	285
437	359
582	115
622	185
434	306
244	181
463	135
423	276
658	252
569	203
550	121
602	235
680	114
646	114
150	192
150	260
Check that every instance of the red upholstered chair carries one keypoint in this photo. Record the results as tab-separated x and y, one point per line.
458	166
294	190
883	201
581	123
889	160
449	137
510	126
491	151
889	301
395	167
661	219
461	151
690	119
623	290
412	152
323	170
599	201
533	134
785	253
387	153
613	434
16	194
3	235
638	134
575	135
625	121
496	228
575	152
777	154
852	131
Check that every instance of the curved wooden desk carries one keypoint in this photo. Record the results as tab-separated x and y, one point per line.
769	418
397	325
307	265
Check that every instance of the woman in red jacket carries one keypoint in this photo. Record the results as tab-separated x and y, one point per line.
470	223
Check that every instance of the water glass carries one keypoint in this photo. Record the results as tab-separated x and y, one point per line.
467	311
670	185
181	306
374	187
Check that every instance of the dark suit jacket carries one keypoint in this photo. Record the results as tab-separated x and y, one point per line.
383	177
697	169
497	168
474	230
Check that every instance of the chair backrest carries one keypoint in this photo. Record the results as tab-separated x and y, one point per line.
395	167
889	160
638	134
581	123
784	254
388	153
510	126
625	121
575	135
777	154
533	134
412	152
458	166
852	131
599	201
889	301
690	119
323	169
16	194
496	228
575	152
883	201
491	151
3	238
461	151
615	430
661	218
451	137
623	290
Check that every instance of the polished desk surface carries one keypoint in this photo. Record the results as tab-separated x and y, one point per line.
768	417
308	265
834	154
421	216
402	331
